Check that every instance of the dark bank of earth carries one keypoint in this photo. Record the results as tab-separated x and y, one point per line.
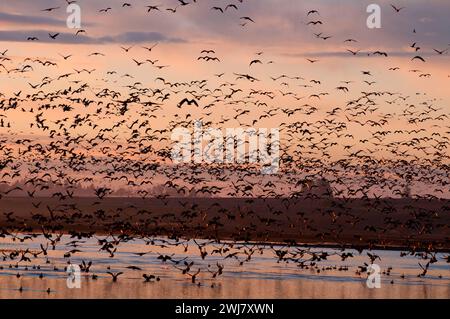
414	224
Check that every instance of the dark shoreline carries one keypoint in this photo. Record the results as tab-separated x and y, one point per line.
392	224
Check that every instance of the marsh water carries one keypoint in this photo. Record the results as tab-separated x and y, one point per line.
262	275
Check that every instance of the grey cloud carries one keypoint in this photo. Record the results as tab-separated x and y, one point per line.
33	20
139	37
128	37
278	22
283	22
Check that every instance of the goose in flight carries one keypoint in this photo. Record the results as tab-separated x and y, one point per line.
397	9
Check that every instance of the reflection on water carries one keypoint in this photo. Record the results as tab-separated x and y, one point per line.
258	276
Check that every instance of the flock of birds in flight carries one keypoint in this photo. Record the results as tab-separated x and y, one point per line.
108	135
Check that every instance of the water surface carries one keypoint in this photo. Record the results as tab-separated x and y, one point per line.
261	276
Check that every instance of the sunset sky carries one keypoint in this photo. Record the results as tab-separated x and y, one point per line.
280	37
280	32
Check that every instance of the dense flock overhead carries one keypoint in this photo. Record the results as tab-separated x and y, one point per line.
92	126
94	132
